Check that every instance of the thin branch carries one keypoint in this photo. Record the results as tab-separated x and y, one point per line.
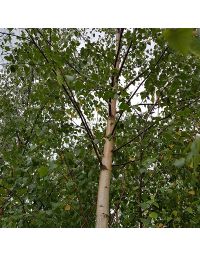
118	46
134	93
18	36
138	135
117	56
32	129
32	39
149	68
84	123
153	124
126	163
124	59
70	173
73	100
128	101
70	95
13	193
66	61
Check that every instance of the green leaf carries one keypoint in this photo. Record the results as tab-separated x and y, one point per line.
179	162
7	48
59	77
156	204
169	218
195	146
153	215
179	38
70	77
43	170
8	58
124	106
96	141
189	209
13	68
145	205
195	46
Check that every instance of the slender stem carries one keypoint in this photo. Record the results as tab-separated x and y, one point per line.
70	95
124	59
153	124
149	68
134	93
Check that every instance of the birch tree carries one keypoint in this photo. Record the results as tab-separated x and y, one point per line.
99	127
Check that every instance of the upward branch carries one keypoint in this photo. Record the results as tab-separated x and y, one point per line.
153	124
70	95
149	68
71	65
138	87
117	56
124	59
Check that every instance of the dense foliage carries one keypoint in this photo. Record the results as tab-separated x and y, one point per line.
51	134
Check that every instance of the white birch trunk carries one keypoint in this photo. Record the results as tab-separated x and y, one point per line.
102	213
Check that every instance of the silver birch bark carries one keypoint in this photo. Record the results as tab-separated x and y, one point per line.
102	213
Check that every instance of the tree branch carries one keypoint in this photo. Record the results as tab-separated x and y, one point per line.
134	93
66	61
149	68
117	56
18	36
70	95
153	124
124	59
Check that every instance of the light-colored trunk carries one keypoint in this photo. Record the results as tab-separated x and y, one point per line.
102	213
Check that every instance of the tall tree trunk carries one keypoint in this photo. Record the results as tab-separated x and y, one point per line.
102	213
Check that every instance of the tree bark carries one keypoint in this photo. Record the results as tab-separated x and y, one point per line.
102	213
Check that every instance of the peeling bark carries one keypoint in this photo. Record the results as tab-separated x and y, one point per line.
102	213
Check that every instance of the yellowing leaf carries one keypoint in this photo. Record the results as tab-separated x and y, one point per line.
67	207
59	77
70	77
62	156
161	157
191	192
179	162
189	209
191	165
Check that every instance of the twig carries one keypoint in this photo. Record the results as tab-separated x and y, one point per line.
70	95
153	124
149	68
134	93
124	59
